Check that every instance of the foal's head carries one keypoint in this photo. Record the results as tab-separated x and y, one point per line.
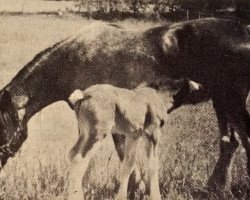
182	91
12	132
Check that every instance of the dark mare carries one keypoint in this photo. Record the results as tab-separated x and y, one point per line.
212	52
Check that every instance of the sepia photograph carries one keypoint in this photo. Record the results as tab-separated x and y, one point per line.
124	99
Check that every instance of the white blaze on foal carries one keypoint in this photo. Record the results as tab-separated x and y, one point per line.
103	110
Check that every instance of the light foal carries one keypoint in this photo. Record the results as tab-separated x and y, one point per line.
103	110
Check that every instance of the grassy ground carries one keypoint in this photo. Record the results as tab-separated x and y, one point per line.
189	147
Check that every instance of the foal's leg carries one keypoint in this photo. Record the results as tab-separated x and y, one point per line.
153	165
90	140
127	166
79	165
228	145
135	179
119	141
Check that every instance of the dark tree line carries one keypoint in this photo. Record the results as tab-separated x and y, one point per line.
164	8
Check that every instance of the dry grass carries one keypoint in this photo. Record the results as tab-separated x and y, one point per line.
189	147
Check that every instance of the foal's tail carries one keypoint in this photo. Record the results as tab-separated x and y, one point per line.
74	102
75	97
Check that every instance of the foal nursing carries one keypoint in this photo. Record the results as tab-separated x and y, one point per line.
104	110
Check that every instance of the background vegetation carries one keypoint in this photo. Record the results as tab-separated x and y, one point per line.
154	9
123	9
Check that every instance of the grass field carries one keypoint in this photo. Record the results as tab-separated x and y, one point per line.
189	146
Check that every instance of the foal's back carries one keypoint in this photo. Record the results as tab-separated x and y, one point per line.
113	105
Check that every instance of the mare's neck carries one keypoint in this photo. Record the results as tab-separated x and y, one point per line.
43	81
29	99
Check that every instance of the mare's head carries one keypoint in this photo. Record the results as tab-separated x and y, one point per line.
12	131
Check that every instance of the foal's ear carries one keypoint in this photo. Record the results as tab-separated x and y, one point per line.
5	99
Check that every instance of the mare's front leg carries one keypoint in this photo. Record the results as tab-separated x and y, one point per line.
228	145
234	109
127	166
240	120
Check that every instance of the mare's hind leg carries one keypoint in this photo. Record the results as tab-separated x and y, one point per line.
228	145
127	166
